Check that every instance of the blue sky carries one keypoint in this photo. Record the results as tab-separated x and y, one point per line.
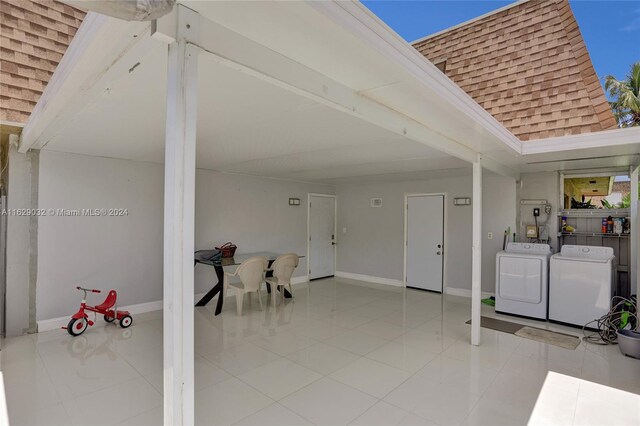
611	29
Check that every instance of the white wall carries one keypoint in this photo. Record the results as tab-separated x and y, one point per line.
125	253
542	185
498	214
254	213
373	243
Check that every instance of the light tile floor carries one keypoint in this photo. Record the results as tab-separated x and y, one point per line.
341	352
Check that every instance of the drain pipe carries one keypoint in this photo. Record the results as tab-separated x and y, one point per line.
128	10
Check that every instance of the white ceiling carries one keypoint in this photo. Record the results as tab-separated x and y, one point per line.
248	125
245	125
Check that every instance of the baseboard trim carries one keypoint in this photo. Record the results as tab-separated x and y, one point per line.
464	292
300	280
369	278
139	308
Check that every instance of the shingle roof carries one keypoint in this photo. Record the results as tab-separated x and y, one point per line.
33	37
529	67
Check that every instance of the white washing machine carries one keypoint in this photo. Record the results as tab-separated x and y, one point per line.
581	284
522	272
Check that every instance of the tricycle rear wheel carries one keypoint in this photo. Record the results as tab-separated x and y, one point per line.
126	321
107	318
77	326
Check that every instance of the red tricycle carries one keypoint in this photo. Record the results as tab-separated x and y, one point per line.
80	320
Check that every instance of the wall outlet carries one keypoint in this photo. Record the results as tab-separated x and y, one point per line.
490	235
344	230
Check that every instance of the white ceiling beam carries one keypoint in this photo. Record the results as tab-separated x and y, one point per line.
244	55
499	168
77	80
591	163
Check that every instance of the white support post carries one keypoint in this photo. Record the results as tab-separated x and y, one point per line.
179	217
634	276
476	255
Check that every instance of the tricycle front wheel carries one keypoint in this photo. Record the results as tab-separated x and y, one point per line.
126	321
77	326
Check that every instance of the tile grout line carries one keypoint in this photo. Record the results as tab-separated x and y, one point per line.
493	379
57	391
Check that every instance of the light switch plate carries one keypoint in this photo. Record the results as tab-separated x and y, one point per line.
490	235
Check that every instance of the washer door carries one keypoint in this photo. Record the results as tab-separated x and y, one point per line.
520	279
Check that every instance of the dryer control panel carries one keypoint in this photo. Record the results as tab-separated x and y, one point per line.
530	248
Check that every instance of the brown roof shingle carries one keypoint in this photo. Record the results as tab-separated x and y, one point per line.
529	67
34	34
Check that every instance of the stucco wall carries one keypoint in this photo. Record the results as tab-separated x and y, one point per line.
252	212
373	243
535	186
125	253
119	252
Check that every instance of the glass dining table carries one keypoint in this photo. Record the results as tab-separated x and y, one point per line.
204	257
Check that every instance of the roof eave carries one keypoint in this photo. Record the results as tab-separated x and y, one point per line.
470	21
603	139
397	49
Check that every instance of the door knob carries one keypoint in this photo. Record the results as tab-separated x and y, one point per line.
438	253
439	245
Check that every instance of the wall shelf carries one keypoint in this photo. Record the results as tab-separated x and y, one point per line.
595	213
592	234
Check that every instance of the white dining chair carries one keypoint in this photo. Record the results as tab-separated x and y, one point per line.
282	268
251	273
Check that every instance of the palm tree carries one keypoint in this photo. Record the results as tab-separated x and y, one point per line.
626	97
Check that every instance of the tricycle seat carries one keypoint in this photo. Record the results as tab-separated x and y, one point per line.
109	302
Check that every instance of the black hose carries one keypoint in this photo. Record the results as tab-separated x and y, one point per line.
609	324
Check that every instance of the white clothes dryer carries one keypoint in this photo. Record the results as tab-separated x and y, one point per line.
522	280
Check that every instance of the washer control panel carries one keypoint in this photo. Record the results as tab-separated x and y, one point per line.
587	252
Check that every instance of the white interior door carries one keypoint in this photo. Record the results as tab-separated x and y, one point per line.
425	242
322	219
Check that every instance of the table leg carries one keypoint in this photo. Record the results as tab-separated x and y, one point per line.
217	289
268	275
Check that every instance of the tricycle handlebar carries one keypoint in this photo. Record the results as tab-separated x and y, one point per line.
88	289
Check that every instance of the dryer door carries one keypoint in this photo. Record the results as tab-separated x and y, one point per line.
520	279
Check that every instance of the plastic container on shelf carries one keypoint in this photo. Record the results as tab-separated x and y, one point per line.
618	225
